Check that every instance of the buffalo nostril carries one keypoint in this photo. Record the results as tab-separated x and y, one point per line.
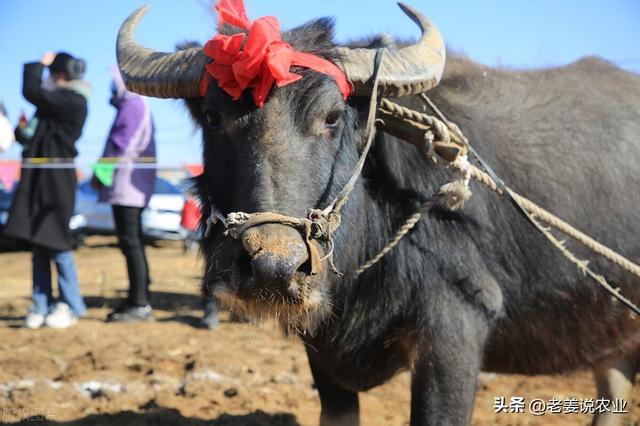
271	270
276	254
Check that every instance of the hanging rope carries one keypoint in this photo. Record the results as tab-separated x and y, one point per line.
448	133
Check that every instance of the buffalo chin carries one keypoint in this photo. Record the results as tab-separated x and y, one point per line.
303	316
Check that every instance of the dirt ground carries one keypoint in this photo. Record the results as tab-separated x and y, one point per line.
172	373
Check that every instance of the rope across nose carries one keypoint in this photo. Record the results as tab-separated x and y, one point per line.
314	229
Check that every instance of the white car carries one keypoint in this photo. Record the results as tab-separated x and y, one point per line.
160	220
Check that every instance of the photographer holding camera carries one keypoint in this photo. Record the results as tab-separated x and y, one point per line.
44	200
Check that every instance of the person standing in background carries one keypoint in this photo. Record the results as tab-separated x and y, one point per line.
45	197
130	142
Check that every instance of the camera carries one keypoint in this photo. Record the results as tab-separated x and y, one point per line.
75	69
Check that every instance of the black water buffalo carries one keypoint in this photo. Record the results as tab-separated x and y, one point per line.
477	289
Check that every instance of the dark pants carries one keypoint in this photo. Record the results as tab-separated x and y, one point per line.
129	231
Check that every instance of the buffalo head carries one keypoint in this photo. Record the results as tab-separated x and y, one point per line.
294	153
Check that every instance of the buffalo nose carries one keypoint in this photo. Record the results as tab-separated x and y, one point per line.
276	253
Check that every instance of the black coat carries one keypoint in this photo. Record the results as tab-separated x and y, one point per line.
44	200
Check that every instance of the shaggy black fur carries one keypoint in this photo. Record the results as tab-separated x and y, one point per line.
463	291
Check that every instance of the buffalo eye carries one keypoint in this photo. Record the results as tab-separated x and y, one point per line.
214	120
331	124
332	119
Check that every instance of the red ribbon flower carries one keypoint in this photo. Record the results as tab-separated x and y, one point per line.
264	60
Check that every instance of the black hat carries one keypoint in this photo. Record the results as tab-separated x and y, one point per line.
60	62
67	64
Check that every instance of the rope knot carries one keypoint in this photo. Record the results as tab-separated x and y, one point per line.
319	226
234	223
454	195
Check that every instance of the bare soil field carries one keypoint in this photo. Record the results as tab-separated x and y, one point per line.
172	373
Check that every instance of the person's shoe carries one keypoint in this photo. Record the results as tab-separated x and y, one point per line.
34	319
61	316
120	307
131	313
210	318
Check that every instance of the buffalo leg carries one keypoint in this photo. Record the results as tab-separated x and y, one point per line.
339	405
613	382
445	373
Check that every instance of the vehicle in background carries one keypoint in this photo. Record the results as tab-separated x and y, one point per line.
77	225
160	220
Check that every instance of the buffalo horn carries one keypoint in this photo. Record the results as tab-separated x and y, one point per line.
158	74
406	71
410	70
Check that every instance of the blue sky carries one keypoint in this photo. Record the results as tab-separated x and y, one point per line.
518	34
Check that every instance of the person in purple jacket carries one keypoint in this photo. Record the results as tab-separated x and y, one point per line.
131	141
